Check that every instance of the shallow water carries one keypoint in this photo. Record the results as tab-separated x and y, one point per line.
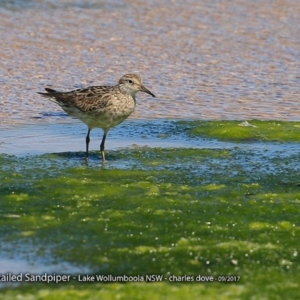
21	258
204	60
212	59
34	139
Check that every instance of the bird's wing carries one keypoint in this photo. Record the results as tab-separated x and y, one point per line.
87	99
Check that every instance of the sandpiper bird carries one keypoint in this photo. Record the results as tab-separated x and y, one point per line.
100	106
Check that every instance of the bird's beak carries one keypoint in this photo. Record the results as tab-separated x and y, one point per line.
143	89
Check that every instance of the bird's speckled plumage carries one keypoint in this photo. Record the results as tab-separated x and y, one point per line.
100	106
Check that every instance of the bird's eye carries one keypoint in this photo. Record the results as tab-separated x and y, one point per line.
130	81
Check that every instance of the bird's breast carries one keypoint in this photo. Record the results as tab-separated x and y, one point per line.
109	116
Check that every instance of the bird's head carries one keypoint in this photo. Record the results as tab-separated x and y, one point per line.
131	84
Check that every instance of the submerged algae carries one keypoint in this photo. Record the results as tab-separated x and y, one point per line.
167	211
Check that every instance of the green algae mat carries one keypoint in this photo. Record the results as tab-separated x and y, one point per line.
162	223
238	131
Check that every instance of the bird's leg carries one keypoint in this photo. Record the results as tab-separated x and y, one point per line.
87	140
102	146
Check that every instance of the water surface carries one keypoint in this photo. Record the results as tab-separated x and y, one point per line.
203	59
